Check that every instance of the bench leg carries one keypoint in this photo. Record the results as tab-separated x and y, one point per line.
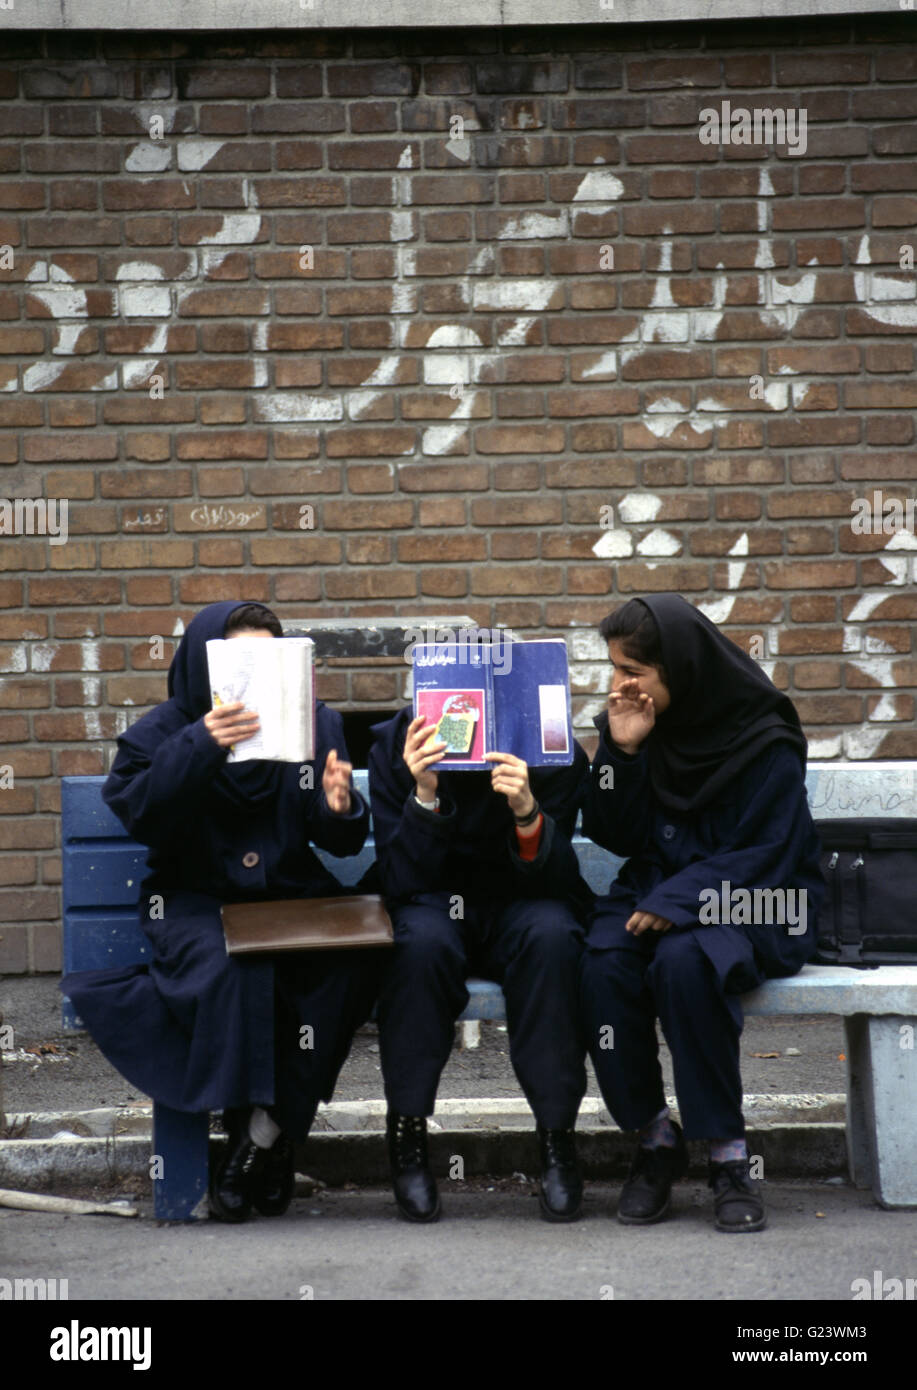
471	1033
179	1164
893	1054
859	1101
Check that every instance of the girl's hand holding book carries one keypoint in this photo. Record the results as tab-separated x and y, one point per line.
420	753
230	724
511	777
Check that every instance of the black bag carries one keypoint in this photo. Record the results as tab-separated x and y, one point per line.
869	916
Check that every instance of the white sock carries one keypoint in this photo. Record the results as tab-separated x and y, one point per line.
262	1130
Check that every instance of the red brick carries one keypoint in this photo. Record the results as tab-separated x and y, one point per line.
212	588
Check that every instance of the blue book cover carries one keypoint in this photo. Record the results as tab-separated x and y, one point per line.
505	697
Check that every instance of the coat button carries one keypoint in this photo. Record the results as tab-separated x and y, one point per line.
668	832
250	859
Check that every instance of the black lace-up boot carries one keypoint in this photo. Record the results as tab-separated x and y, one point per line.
736	1198
646	1194
233	1182
561	1194
414	1185
272	1189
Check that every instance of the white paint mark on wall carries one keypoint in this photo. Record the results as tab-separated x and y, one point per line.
531	225
41	654
659	542
401	225
146	301
197	154
587	645
237	229
606	366
14	659
614	545
149	157
865	605
599	185
517	332
139	369
528	295
89	656
294	405
639	508
441	439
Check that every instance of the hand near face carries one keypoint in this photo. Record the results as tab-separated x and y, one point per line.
421	756
631	715
336	783
510	776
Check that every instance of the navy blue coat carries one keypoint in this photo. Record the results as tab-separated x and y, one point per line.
469	845
195	1029
758	833
159	789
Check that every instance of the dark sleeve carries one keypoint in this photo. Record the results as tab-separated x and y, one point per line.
618	809
339	834
154	792
412	845
763	849
555	871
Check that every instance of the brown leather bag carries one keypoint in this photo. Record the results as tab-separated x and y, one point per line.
306	924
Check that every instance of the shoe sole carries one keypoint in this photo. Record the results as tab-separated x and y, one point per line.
745	1229
646	1220
221	1213
548	1214
272	1211
419	1220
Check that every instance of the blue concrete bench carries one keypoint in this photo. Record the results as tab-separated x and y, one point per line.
103	868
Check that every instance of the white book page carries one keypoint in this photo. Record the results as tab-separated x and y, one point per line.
274	678
295	655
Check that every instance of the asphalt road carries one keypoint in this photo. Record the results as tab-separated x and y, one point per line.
490	1244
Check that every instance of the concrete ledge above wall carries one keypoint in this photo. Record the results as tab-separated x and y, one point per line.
460	15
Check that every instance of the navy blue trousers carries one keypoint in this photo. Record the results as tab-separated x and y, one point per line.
689	979
197	1029
532	948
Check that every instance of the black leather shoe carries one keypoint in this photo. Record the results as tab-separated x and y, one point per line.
645	1195
414	1185
272	1188
561	1193
232	1183
736	1200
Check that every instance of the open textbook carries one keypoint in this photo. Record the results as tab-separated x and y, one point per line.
275	680
512	697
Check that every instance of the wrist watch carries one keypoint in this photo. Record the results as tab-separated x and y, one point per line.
427	805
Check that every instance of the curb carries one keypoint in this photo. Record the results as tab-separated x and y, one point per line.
360	1156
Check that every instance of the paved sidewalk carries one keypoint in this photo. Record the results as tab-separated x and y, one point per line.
490	1244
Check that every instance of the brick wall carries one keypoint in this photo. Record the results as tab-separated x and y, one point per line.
471	299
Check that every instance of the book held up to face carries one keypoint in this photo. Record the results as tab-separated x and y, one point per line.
519	704
274	679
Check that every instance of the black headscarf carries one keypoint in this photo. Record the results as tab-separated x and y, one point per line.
724	710
241	784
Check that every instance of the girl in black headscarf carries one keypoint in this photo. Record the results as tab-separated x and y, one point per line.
196	1029
699	780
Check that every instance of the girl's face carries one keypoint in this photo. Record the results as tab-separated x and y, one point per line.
249	632
649	681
